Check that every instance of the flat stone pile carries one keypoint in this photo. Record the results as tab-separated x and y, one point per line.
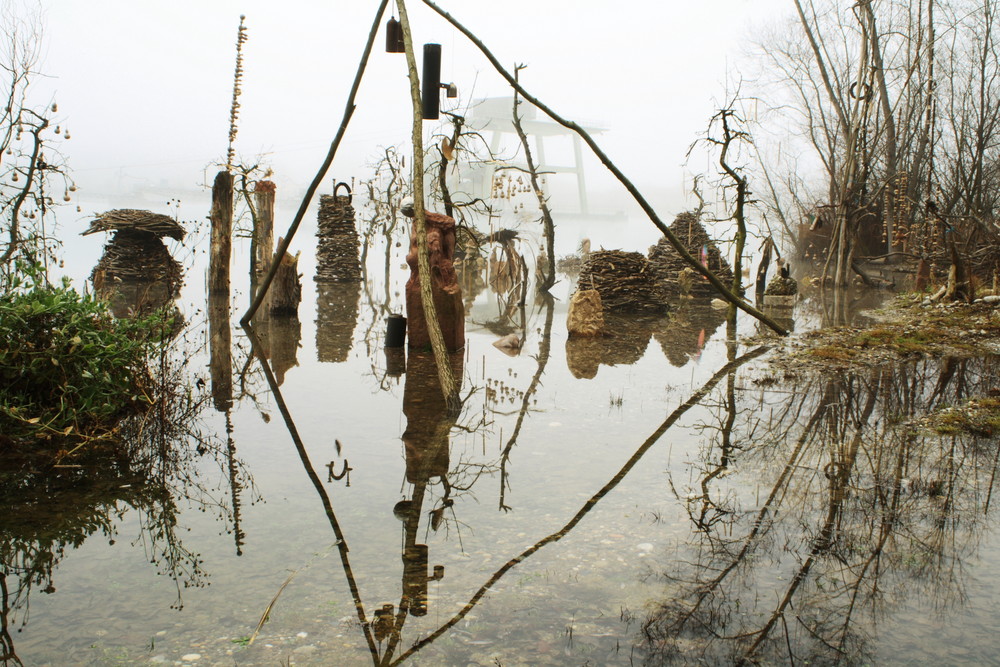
338	244
668	265
625	282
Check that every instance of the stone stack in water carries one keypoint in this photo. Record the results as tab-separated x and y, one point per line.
625	282
668	265
337	249
338	276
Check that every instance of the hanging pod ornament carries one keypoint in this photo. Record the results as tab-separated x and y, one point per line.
394	37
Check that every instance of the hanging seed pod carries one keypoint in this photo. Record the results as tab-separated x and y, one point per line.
55	107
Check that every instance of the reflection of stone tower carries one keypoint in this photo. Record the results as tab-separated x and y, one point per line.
338	274
336	318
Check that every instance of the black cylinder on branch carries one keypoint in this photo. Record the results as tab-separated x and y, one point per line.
431	86
394	37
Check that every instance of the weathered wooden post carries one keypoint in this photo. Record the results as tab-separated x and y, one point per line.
222	233
286	289
220	349
263	233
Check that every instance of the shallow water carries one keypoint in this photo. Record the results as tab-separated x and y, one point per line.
658	497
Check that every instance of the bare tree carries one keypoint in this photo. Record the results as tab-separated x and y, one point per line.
33	175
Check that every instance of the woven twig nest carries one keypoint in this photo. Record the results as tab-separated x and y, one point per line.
132	219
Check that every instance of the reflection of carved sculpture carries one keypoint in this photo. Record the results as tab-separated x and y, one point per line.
444	285
428	425
427	420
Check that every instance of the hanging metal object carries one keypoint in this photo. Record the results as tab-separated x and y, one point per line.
431	82
394	37
452	90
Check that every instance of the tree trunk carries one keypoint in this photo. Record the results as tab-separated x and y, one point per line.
448	387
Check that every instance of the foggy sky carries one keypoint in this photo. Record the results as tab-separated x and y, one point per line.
145	87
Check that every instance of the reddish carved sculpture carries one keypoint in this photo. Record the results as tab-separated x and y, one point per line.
444	285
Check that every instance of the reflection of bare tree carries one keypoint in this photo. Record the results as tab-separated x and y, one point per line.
860	510
544	344
629	465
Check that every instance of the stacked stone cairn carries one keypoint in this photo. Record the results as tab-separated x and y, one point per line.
669	267
338	244
338	276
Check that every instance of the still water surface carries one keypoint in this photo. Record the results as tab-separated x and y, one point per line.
660	497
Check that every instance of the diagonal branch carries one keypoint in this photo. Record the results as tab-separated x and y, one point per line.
721	288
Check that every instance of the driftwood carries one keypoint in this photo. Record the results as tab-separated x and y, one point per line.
135	256
132	219
625	282
263	230
668	265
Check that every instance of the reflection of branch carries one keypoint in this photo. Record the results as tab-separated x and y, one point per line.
838	494
543	359
695	399
317	484
7	654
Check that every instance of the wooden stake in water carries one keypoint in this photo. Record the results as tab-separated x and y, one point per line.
222	233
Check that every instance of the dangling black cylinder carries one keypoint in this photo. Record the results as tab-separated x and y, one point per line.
431	91
394	37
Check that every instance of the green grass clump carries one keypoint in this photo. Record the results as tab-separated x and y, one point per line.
67	366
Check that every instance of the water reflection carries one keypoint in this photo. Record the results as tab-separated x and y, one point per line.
690	326
149	471
336	319
847	510
624	344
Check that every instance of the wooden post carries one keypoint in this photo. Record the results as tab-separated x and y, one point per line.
222	233
263	229
286	289
220	351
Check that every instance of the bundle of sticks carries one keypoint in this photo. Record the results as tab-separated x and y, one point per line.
625	282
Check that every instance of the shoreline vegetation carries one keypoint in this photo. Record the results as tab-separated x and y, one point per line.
70	371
